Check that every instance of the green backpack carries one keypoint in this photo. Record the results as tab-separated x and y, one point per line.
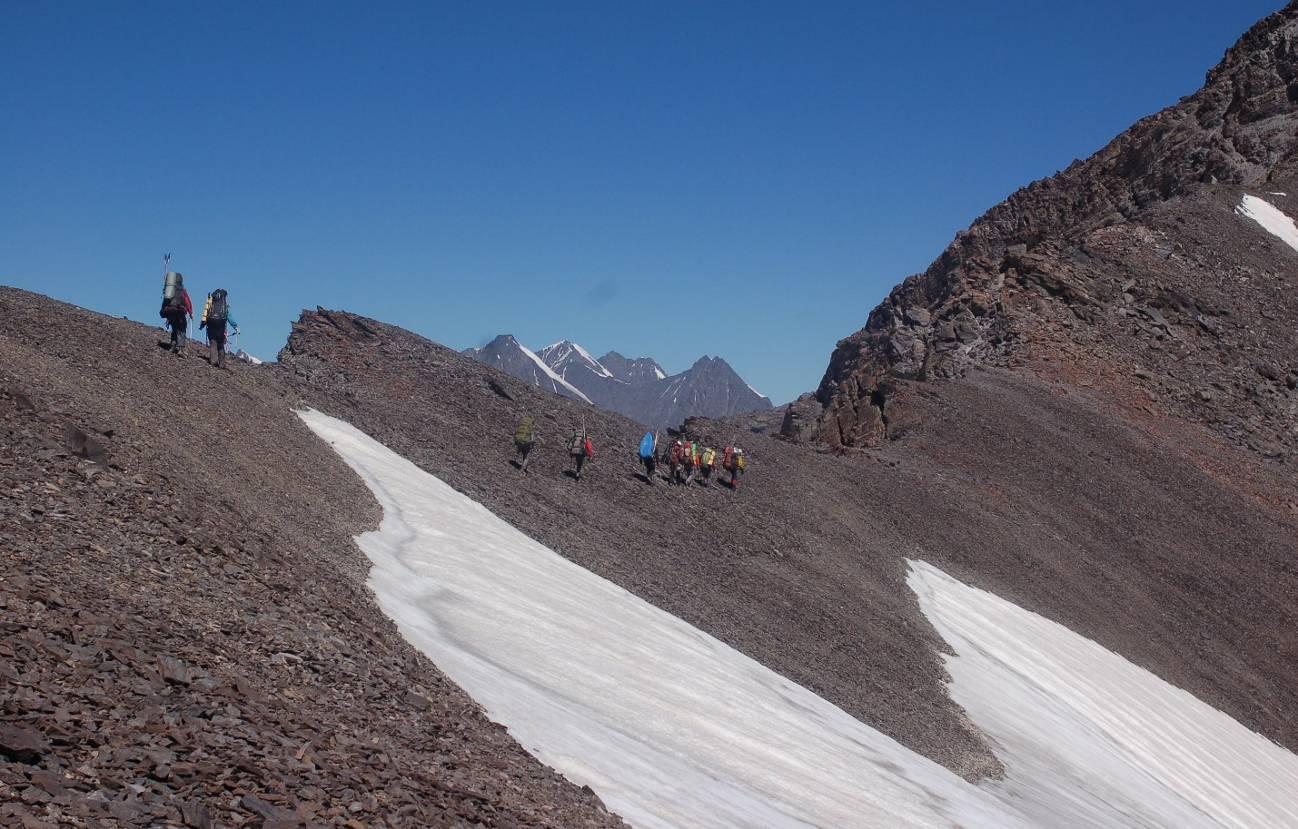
523	434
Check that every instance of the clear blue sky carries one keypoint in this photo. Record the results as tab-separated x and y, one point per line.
745	179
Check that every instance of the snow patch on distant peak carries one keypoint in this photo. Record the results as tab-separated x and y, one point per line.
1271	218
755	391
555	354
659	373
559	381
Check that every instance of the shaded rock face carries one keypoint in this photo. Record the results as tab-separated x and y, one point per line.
633	369
512	357
1134	259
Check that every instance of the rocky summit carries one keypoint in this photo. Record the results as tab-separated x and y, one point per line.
1137	274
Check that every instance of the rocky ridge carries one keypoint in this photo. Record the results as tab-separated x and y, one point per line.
1131	270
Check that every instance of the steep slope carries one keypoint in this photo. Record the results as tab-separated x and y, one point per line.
1156	540
188	638
1133	270
512	357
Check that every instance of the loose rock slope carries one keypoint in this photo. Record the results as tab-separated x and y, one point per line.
187	637
1130	531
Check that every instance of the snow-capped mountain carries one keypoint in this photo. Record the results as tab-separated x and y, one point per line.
637	388
639	370
509	355
575	365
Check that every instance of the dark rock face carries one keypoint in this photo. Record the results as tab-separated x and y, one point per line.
512	357
633	370
1134	257
186	637
637	388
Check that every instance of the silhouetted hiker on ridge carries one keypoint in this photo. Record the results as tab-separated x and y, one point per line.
216	313
176	308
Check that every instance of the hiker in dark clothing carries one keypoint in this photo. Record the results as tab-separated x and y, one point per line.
525	440
216	315
176	311
733	462
581	449
676	462
690	460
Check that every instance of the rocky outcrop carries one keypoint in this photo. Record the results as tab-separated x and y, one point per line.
1068	250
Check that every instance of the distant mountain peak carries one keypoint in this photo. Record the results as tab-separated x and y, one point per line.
636	387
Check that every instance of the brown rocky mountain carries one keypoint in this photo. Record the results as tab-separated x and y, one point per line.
1131	272
189	640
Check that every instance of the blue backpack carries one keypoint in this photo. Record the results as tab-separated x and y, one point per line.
647	445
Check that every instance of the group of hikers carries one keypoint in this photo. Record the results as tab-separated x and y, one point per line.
686	460
177	309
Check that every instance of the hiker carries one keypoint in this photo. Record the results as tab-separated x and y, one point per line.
733	462
581	449
676	462
216	315
648	456
707	460
175	310
689	460
525	441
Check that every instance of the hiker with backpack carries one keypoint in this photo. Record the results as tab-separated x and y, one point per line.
525	440
676	462
648	456
689	460
580	448
177	310
733	462
707	459
216	315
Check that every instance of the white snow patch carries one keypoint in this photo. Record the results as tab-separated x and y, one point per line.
1272	219
659	373
672	727
1088	738
755	391
556	354
559	381
1277	194
669	726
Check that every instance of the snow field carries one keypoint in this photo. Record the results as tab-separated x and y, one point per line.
1271	218
673	728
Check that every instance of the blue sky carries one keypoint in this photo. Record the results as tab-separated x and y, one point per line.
745	179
